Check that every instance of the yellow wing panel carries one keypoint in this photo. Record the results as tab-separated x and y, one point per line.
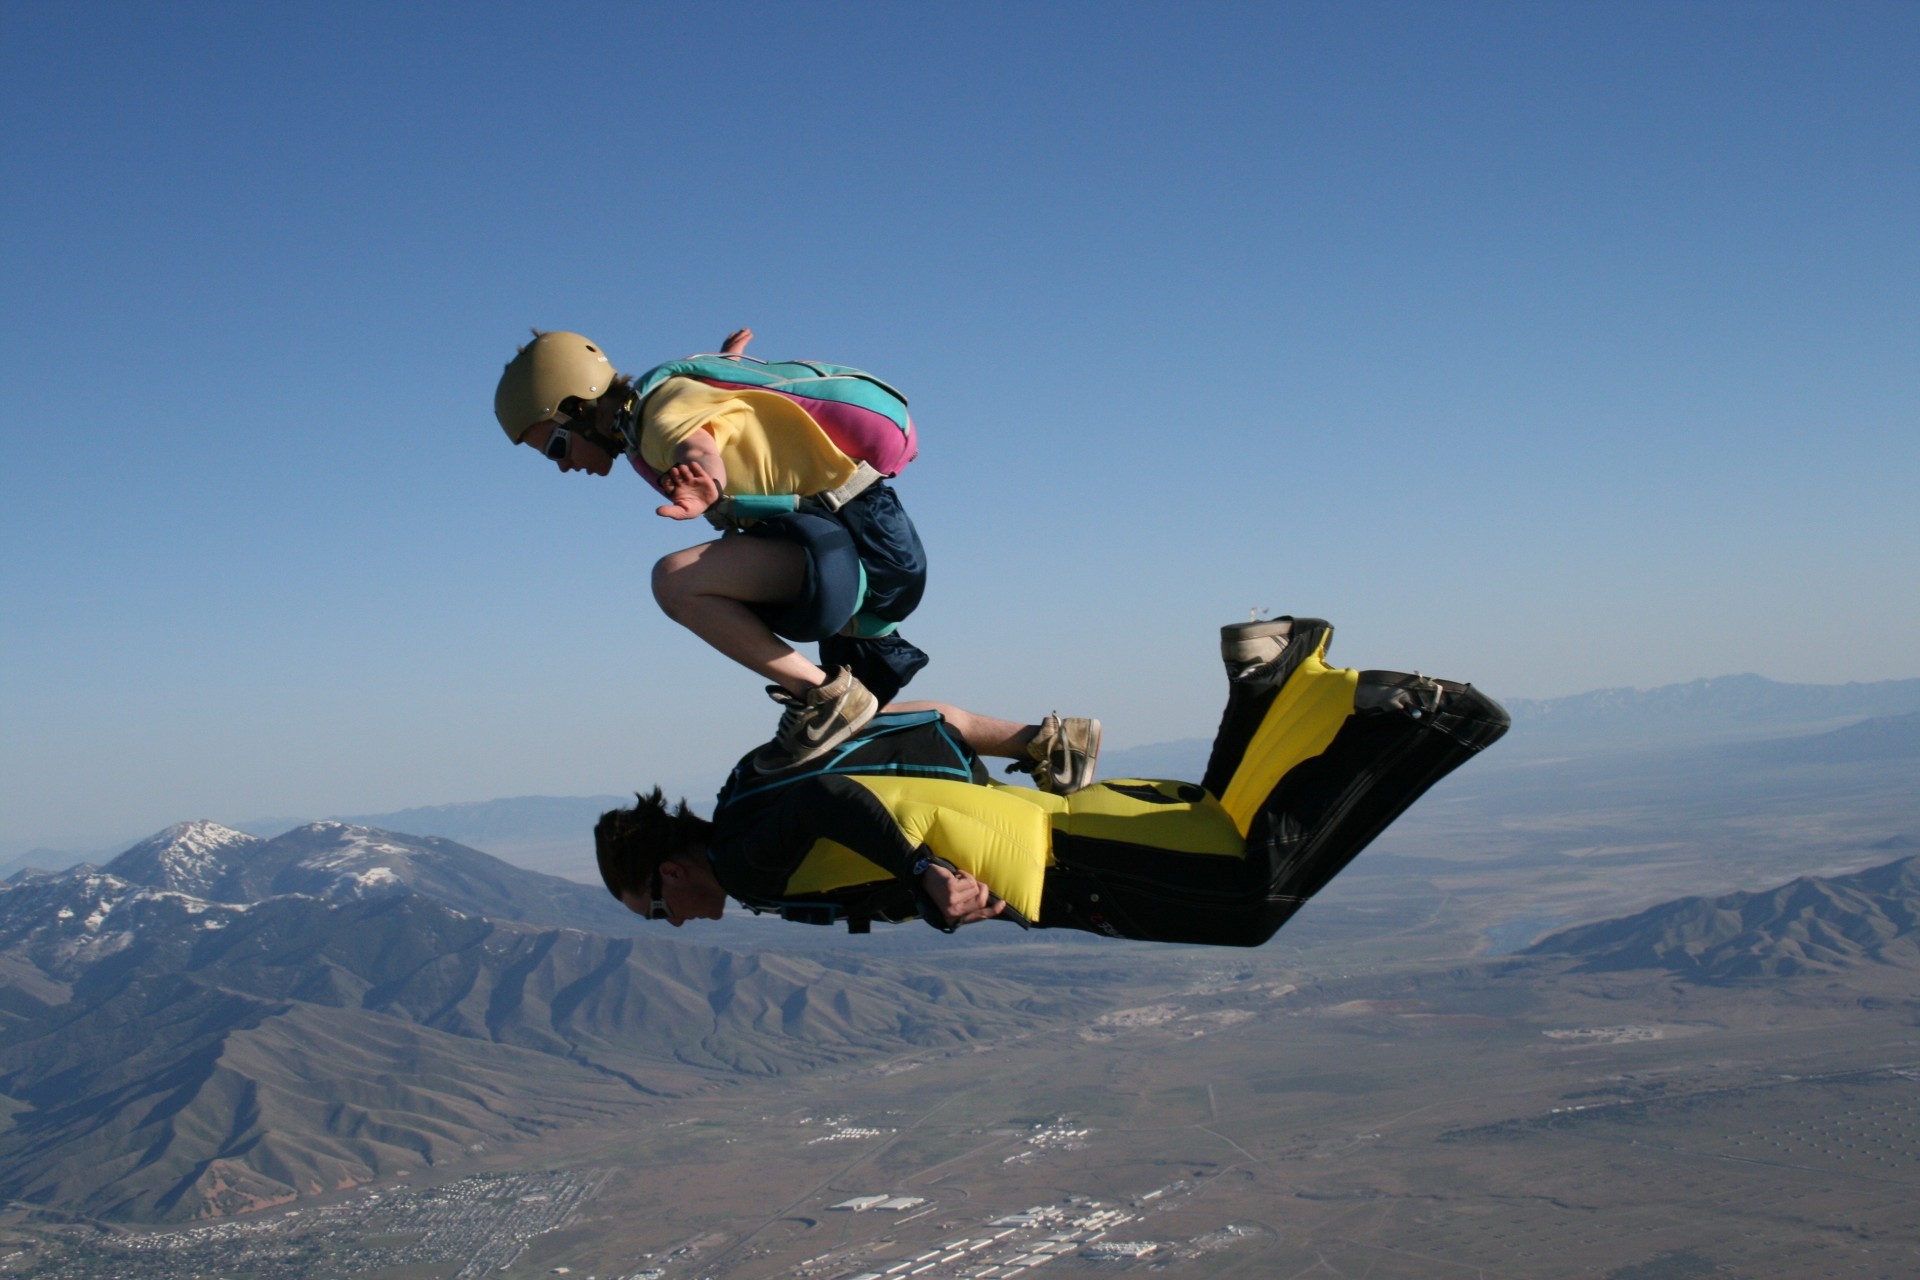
831	866
1177	816
999	835
1298	726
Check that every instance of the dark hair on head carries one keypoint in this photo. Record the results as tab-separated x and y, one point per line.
630	844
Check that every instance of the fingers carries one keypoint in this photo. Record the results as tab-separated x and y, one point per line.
987	911
689	475
691	489
966	900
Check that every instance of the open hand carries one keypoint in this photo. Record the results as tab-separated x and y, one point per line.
736	343
691	489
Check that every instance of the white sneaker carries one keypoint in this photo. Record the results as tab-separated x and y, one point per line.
1247	646
1064	754
825	717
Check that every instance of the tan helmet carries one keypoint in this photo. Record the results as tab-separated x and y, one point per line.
554	366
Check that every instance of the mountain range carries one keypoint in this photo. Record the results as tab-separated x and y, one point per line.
213	1023
1719	709
1809	925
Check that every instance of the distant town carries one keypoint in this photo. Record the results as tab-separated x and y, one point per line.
482	1226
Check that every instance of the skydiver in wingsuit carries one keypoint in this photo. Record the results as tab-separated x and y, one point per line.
901	820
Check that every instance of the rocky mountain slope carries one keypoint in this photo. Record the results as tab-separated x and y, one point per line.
1810	925
215	1023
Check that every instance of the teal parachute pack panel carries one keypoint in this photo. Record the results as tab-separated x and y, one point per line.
864	417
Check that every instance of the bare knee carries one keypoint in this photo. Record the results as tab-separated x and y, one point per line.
674	588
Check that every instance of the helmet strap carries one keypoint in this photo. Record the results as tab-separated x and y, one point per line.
626	421
615	444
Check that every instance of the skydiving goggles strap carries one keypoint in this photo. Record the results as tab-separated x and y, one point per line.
580	426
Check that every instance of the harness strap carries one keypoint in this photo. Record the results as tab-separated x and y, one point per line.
864	476
728	512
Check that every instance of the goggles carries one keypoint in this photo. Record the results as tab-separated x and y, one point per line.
585	427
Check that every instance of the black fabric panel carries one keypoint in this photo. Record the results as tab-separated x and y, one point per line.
755	849
882	663
1147	893
892	745
1326	810
766	822
1314	822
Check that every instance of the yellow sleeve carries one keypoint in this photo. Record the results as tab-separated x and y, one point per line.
768	443
679	407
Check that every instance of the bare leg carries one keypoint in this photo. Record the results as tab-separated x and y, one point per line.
707	588
984	735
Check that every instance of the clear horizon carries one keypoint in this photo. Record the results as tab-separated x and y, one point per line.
1554	349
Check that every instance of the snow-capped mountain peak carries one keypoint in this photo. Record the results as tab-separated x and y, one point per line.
188	857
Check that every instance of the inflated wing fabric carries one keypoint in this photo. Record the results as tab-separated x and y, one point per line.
997	834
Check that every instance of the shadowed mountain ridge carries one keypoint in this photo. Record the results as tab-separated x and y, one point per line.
169	1056
1808	925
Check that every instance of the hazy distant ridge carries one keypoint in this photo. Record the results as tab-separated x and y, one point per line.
1720	706
1809	925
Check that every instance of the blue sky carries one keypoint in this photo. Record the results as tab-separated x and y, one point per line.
1548	346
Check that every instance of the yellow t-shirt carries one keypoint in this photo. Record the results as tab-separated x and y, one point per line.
768	444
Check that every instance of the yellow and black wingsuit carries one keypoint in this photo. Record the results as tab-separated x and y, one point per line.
1310	764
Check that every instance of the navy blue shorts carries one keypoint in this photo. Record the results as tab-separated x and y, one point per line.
866	558
834	584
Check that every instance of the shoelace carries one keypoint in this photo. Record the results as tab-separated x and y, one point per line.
1052	767
794	714
1030	766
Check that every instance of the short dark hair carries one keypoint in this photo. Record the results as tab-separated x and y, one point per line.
630	844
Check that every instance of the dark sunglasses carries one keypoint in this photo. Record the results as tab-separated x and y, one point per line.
559	444
657	908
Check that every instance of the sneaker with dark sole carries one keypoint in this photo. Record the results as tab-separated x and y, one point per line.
821	719
1247	646
1063	755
